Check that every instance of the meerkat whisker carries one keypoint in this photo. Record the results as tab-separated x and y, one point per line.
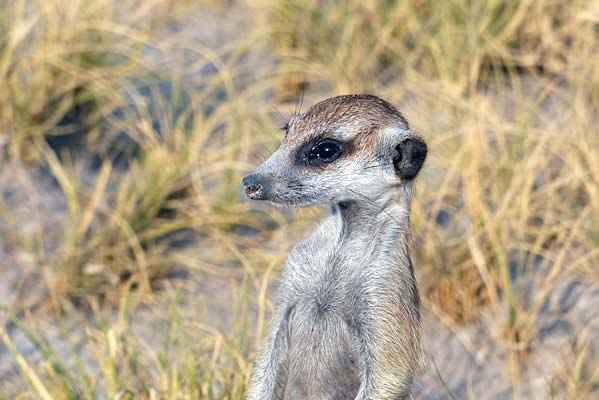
381	208
282	117
379	165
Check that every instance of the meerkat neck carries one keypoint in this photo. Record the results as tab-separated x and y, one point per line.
387	216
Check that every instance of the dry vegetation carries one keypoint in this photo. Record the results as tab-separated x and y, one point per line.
145	131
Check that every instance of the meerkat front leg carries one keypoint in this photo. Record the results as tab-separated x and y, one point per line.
390	349
270	372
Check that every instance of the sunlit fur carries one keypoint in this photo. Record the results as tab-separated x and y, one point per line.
346	324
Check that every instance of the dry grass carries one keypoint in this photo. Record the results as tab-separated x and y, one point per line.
579	376
504	91
64	68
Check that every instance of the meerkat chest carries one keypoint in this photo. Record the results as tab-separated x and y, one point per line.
326	275
321	292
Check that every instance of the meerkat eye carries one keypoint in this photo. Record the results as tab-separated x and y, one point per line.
324	152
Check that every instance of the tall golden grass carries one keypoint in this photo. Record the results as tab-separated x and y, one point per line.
506	92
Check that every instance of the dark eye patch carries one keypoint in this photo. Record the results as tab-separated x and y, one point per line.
323	152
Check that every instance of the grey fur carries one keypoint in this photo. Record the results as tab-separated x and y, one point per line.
346	324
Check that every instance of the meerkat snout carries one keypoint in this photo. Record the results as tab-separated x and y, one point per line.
341	148
253	187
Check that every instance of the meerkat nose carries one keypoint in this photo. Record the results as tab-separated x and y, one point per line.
252	187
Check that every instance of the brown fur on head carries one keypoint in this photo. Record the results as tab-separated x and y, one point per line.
341	148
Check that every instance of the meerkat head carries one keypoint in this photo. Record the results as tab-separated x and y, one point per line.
343	148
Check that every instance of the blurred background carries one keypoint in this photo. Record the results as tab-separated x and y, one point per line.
132	266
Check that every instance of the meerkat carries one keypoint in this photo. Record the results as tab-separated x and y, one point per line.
346	324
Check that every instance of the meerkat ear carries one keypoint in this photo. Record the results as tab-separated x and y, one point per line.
409	157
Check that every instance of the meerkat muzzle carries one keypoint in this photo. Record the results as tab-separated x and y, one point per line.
253	187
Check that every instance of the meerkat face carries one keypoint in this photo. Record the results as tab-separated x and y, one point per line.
343	148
